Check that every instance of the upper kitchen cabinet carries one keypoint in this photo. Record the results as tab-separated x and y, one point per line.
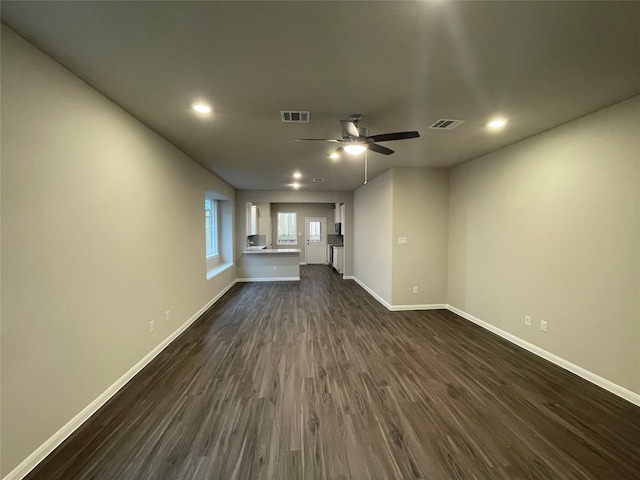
252	219
338	213
258	222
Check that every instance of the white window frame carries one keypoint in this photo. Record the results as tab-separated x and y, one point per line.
295	228
213	258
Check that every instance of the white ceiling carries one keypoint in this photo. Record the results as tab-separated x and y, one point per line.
402	65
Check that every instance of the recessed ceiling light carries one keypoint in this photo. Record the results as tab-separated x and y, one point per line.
497	123
354	149
334	155
201	108
297	175
295	185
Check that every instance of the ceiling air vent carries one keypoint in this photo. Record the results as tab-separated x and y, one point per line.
289	116
446	124
318	180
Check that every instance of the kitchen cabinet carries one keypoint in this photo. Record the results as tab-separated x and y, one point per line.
338	258
252	219
338	213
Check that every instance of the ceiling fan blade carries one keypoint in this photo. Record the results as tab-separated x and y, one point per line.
350	128
386	137
315	140
379	149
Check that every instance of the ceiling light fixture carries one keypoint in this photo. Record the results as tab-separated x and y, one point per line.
297	175
497	123
295	185
201	108
354	148
334	155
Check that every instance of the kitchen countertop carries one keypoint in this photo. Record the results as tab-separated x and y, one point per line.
272	250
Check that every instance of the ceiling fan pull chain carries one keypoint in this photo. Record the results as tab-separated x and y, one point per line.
365	167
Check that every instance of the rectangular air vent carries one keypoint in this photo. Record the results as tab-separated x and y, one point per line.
289	116
446	124
318	180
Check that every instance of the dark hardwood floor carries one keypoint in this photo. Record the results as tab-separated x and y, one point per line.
316	380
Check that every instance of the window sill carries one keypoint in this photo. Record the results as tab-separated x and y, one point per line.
217	270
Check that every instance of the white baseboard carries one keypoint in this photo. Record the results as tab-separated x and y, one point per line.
398	308
61	435
561	362
372	293
269	279
303	263
427	306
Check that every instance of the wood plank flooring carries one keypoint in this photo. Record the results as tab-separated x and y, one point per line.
316	380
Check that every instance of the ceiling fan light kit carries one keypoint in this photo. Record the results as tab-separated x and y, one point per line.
354	148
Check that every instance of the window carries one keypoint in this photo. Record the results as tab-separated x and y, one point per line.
315	233
287	228
211	229
218	221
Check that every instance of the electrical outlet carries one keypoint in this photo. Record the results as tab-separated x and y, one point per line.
527	320
167	315
543	326
152	326
221	278
415	289
275	268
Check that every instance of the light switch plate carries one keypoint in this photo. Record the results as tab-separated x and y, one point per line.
402	240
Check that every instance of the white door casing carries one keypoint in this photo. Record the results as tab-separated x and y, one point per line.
316	239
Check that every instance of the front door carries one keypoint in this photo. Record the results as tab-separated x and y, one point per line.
316	236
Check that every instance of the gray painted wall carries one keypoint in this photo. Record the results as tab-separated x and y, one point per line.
420	213
102	231
411	203
550	227
373	207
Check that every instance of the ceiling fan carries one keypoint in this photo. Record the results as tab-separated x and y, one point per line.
355	140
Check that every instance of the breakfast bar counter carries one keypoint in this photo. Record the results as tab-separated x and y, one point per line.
253	251
269	264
